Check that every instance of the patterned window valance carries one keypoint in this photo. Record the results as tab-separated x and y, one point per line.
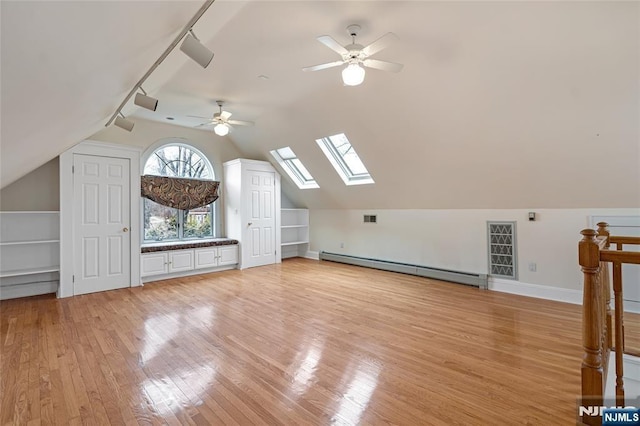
179	193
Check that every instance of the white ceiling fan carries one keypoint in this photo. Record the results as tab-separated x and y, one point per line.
357	56
222	122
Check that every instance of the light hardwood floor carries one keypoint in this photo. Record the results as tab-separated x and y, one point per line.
304	342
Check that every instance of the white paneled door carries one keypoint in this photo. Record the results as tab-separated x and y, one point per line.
261	235
102	249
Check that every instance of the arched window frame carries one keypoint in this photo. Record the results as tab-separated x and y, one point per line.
180	215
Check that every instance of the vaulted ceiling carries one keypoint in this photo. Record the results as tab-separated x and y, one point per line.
499	105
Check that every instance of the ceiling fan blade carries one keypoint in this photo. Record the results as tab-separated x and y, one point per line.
382	65
240	123
209	123
224	115
323	66
379	44
332	44
197	116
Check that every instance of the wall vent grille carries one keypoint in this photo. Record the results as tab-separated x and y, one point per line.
502	249
370	218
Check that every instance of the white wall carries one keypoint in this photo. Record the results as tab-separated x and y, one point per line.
457	239
37	191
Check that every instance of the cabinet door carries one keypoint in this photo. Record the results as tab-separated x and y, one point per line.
228	255
153	264
180	260
206	257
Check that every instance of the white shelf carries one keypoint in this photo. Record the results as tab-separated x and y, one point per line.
294	232
294	243
29	271
31	212
30	251
17	243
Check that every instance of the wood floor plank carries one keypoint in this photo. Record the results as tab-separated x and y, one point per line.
304	342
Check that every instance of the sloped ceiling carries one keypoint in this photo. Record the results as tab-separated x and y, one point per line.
500	105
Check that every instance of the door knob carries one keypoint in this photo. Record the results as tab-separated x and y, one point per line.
250	223
125	229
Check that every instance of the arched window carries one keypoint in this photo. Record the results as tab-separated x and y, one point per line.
162	223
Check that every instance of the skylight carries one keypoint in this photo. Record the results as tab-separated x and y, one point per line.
294	168
345	160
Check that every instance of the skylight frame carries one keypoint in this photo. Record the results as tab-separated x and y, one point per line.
296	172
337	159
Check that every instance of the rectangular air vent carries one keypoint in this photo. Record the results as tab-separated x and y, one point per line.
370	218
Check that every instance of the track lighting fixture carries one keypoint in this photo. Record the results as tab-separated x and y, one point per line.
221	129
145	101
124	123
192	47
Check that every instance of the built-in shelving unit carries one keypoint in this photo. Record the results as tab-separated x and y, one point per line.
294	230
29	253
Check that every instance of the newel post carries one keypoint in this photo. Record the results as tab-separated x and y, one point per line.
592	369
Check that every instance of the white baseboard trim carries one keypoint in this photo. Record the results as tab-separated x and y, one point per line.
312	255
631	306
536	290
28	289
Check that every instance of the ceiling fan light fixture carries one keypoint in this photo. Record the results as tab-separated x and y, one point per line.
353	75
221	129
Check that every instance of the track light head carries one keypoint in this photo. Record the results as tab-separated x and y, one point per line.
192	47
123	123
146	101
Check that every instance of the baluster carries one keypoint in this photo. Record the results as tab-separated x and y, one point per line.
619	322
603	231
592	371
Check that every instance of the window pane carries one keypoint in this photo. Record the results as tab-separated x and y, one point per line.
160	222
348	154
344	159
294	168
177	161
197	222
286	153
302	169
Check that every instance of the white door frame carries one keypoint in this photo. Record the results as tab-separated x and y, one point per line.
102	149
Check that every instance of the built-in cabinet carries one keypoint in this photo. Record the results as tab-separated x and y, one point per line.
294	231
188	261
252	207
29	253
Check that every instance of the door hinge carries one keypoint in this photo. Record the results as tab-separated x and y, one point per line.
73	278
73	169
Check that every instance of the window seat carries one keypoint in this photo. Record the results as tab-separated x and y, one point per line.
182	245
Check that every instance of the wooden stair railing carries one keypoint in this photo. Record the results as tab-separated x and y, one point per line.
597	325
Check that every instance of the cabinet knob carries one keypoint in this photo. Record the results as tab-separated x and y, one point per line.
125	229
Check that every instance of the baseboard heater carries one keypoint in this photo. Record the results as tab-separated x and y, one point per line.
468	278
